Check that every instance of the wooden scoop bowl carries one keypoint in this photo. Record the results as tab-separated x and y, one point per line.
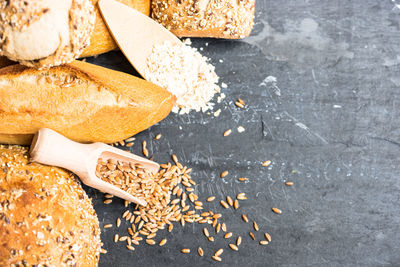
135	33
51	148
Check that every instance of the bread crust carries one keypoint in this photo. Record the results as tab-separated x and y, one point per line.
46	218
45	33
4	62
101	40
228	19
85	102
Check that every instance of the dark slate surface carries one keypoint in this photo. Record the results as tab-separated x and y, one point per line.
330	123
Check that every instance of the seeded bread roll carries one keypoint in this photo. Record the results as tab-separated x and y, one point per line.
101	40
229	19
46	219
85	102
45	33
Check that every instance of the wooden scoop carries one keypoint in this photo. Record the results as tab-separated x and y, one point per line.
51	148
135	33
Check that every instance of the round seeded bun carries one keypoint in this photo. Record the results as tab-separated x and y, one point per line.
229	19
46	219
45	33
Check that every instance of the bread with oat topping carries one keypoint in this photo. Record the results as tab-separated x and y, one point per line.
229	19
46	218
82	101
45	33
101	40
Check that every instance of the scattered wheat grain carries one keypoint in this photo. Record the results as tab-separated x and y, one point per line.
233	247
216	258
276	210
227	132
224	173
252	235
241	196
219	252
206	233
266	163
229	200
236	204
224	204
163	242
268	237
210	199
228	235
185	250
238	241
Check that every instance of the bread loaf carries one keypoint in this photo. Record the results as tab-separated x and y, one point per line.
46	219
101	40
45	33
82	101
230	19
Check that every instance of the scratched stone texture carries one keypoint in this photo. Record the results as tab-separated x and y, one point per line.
321	82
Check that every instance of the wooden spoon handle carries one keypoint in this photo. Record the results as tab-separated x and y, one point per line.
51	148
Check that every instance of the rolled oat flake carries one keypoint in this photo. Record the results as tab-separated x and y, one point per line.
184	72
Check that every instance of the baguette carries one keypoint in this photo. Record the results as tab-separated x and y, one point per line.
85	102
101	40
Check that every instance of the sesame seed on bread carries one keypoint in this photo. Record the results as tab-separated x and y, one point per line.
229	19
45	33
46	218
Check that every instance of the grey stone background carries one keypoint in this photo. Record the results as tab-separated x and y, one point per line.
330	123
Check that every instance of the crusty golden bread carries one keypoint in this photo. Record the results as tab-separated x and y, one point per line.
46	218
44	33
85	102
229	19
101	40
